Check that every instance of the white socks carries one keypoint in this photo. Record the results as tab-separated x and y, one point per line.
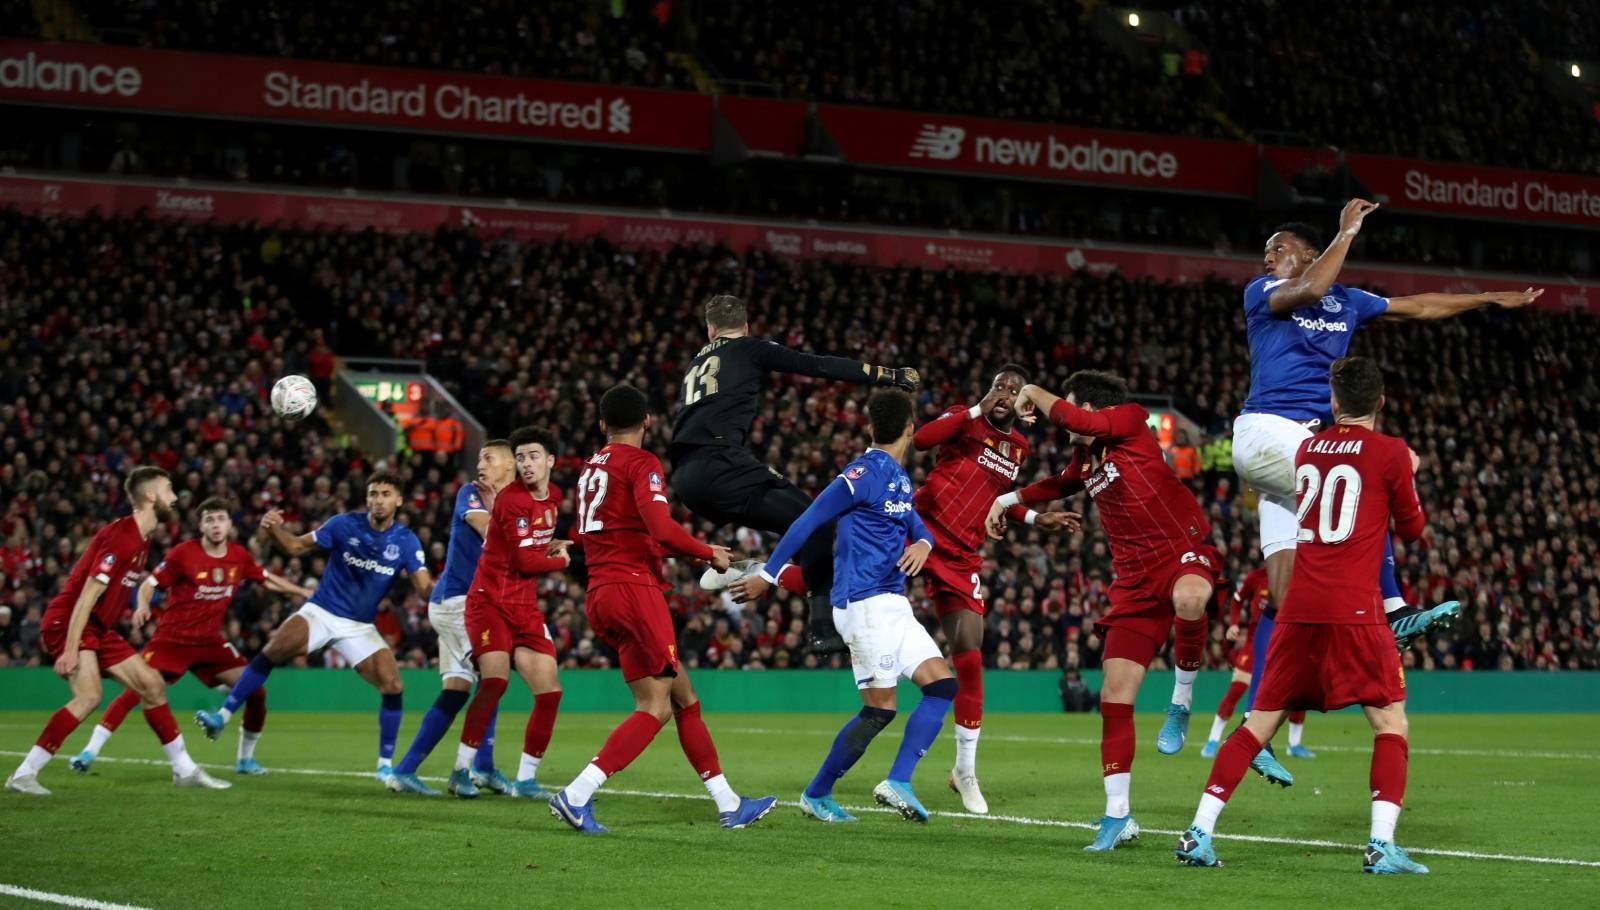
97	739
224	713
966	751
1218	726
1205	818
1296	731
247	744
182	764
1183	687
465	755
1391	604
1384	816
34	763
1117	794
584	785
727	800
528	768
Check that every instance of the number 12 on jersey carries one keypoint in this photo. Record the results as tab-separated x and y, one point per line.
591	493
1339	493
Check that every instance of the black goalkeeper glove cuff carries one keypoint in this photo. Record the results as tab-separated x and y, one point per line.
905	378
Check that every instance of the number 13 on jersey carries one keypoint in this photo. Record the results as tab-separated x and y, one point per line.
701	380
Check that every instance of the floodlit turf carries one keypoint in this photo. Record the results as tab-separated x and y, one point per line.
1519	785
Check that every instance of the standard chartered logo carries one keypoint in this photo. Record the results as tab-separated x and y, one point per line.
371	565
619	116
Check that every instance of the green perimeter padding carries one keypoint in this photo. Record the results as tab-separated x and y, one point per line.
1005	692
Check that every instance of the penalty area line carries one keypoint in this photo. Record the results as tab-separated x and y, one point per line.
65	900
965	816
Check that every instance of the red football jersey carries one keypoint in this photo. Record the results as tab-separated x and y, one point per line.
1349	480
619	484
199	588
115	558
521	527
1250	597
976	462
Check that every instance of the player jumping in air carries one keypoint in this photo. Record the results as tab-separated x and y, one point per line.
979	456
77	630
717	476
447	613
1166	568
505	627
624	523
881	540
1332	647
365	552
200	577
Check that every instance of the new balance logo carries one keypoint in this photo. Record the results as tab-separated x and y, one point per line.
941	143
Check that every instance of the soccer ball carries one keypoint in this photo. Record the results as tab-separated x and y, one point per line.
294	397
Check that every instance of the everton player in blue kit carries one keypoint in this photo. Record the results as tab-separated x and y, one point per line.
1299	320
366	550
447	614
879	541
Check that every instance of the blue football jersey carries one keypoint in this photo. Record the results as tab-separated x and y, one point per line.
362	564
1290	355
461	557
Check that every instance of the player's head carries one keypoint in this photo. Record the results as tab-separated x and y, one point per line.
216	520
1357	386
535	451
383	496
726	315
1005	386
624	410
1093	390
1291	249
497	462
889	413
150	487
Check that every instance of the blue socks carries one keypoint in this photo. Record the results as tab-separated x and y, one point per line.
923	727
388	726
435	724
848	746
484	763
254	677
1386	579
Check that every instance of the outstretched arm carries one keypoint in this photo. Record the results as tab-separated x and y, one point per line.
290	544
832	502
1295	293
776	358
1445	306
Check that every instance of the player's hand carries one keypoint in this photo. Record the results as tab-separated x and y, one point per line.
273	519
1056	522
906	379
751	587
1416	460
914	557
67	663
559	548
141	616
995	521
1027	411
1511	300
1355	212
1233	634
721	558
485	494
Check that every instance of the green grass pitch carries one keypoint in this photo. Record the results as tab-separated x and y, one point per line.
1510	794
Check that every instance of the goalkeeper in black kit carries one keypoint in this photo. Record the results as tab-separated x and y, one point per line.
721	480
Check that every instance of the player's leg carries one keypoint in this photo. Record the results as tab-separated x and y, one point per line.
494	675
1407	622
538	669
1387	780
774	509
456	679
877	688
939	692
375	663
1233	760
86	694
1191	594
733	810
1225	708
110	719
293	638
1297	732
963	632
140	677
1266	763
251	724
1127	654
652	708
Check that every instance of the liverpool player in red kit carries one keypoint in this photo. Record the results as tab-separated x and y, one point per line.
979	455
505	627
200	577
1244	609
624	524
1160	552
77	631
1332	646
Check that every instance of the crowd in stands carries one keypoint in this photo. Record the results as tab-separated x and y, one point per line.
135	341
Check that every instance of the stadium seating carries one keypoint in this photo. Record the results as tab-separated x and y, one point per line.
171	333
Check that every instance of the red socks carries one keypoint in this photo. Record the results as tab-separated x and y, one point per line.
118	710
481	709
255	711
969	697
696	742
541	723
1297	717
1388	779
1233	760
791	580
626	742
160	720
1116	738
1189	643
61	725
1230	701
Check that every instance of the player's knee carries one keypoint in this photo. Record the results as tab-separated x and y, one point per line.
391	685
84	704
871	722
661	711
942	688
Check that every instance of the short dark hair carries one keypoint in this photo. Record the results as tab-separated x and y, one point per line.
1308	235
523	436
499	444
139	477
889	411
1096	388
1017	368
623	407
725	311
1358	383
215	504
387	477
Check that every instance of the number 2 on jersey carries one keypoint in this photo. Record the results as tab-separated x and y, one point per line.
591	493
701	380
1339	494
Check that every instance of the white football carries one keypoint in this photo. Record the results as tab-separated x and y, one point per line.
294	397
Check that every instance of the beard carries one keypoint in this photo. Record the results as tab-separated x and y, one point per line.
166	514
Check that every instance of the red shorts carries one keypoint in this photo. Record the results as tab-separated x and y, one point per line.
635	622
1239	658
1325	667
1142	604
205	661
490	628
953	581
109	647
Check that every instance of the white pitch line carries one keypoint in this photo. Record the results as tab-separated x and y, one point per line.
66	900
968	816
